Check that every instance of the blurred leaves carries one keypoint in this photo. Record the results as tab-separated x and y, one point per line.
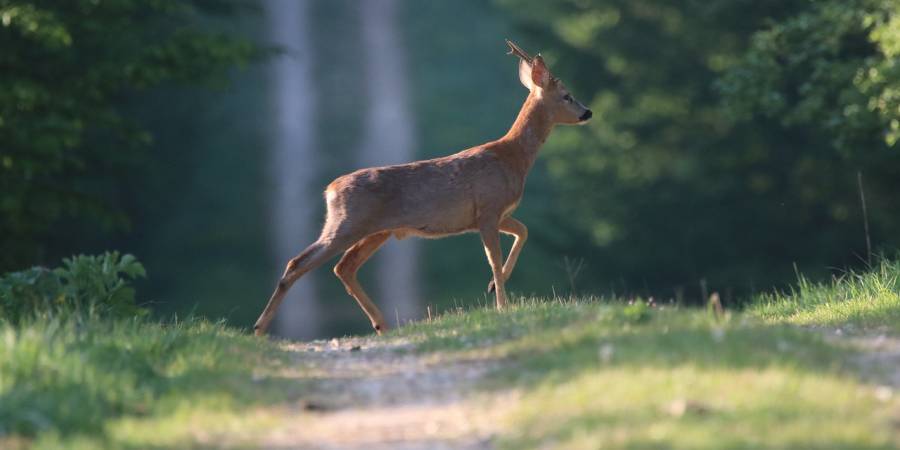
726	138
84	285
833	67
66	69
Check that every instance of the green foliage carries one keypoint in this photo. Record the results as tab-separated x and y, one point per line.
84	285
678	179
831	66
636	312
68	68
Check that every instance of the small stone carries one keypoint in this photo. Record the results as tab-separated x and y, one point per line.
355	348
883	393
718	334
782	346
681	407
606	353
308	405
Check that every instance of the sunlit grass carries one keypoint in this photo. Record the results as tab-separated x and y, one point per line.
93	383
584	373
595	373
859	299
693	407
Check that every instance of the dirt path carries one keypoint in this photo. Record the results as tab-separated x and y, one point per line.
878	357
375	394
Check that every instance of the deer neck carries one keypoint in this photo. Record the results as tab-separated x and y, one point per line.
530	130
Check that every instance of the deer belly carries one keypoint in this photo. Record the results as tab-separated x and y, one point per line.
439	218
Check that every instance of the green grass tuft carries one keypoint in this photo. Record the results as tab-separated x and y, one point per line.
94	383
857	299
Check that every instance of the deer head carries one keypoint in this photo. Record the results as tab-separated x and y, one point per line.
549	90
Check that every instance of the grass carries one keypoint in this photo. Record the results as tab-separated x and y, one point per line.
606	374
588	373
105	383
866	300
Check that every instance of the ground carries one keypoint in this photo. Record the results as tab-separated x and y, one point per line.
816	368
374	394
699	383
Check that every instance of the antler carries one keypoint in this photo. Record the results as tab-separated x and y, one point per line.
515	50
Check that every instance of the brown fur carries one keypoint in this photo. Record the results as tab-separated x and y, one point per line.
474	190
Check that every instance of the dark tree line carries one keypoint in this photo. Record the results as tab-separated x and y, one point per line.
68	70
728	138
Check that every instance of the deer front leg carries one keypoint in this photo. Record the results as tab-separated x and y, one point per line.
490	237
520	232
311	258
304	262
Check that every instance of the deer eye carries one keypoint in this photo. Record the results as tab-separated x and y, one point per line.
567	98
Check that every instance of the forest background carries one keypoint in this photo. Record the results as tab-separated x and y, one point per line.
731	143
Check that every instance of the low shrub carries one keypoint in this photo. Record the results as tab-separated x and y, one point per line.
84	285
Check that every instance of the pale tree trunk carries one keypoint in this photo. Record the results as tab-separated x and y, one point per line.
293	158
388	139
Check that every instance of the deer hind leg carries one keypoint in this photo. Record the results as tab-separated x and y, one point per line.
346	270
490	237
314	256
520	232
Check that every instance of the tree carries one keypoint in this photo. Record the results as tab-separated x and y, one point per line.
669	184
67	69
831	66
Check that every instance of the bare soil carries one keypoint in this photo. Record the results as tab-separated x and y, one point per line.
877	357
377	394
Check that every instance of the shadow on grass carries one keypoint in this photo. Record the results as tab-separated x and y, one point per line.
66	383
558	338
620	376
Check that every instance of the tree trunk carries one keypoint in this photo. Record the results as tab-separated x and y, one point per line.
388	138
293	158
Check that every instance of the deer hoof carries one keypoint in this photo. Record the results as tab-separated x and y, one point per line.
379	329
491	287
258	330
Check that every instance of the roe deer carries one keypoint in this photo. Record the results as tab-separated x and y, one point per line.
474	190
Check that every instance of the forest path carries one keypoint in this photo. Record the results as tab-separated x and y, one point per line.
877	357
379	394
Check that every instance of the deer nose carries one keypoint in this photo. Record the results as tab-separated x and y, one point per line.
587	115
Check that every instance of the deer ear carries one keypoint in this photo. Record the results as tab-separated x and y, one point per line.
525	74
540	76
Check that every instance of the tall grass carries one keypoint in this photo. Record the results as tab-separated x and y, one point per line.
79	358
869	299
65	377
